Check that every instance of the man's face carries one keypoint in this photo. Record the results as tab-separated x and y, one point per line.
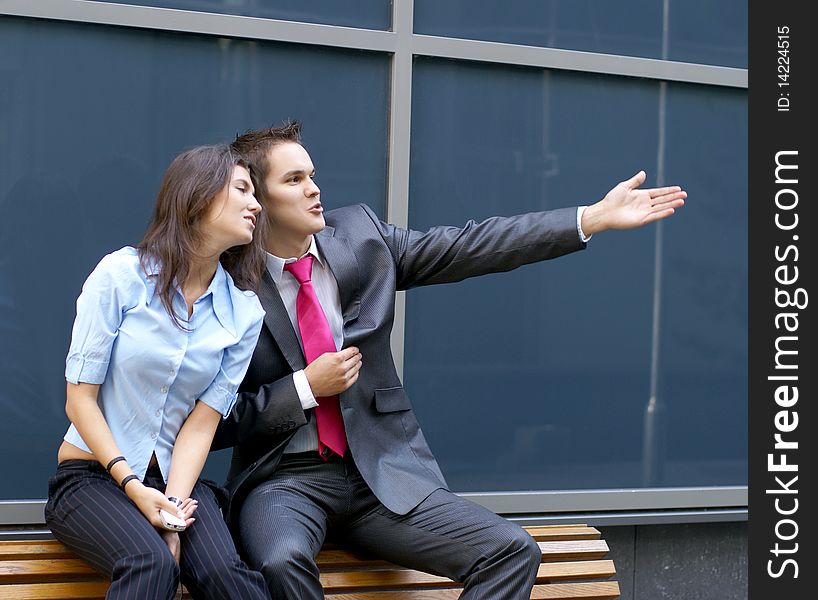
292	201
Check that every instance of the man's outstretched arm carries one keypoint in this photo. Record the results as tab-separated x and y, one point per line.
626	206
448	254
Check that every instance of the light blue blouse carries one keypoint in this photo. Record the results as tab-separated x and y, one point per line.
151	372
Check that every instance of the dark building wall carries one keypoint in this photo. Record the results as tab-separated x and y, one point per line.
700	561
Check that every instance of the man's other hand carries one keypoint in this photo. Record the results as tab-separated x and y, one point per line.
333	372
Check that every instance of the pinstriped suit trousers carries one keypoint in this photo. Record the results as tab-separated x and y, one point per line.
284	521
88	512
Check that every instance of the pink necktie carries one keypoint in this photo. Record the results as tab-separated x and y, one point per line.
316	338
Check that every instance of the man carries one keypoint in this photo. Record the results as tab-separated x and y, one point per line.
326	441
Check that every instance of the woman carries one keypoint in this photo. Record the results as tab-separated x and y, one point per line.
162	338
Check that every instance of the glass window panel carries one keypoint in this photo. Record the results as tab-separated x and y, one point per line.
366	14
703	344
702	31
91	116
546	370
699	31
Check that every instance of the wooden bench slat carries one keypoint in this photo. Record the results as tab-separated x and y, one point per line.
32	571
25	550
94	590
569	550
543	533
391	579
342	559
599	590
584	569
564	532
607	590
403	595
409	579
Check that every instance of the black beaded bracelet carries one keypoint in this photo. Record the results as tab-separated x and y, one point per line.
114	460
125	481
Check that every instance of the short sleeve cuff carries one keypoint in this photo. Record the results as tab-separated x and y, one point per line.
80	369
219	399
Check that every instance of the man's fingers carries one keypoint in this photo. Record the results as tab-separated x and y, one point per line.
348	353
352	367
662	191
637	180
674	199
348	362
659	215
352	370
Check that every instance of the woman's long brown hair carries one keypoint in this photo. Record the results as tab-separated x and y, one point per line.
192	182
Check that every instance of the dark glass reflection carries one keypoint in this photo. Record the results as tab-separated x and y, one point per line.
91	117
539	378
698	31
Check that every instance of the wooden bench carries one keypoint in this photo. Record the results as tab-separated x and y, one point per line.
573	566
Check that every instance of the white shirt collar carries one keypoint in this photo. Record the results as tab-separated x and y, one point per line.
275	264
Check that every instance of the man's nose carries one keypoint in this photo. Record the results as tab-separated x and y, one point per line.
312	189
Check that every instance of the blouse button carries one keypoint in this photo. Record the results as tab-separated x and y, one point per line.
153	436
164	389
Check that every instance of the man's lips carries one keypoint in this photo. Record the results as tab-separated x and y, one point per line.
316	208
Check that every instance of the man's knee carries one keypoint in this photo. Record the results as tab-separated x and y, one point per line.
531	549
285	561
520	547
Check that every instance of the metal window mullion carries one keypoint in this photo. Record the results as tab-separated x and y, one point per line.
575	60
400	129
205	23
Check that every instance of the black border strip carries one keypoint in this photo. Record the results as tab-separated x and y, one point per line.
782	264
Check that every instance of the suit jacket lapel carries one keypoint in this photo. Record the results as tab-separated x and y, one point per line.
341	260
278	322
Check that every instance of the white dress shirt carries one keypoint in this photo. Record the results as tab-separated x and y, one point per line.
326	289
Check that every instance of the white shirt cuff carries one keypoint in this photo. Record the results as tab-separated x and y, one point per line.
581	210
302	387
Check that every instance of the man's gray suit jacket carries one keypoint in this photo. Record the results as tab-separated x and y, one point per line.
370	261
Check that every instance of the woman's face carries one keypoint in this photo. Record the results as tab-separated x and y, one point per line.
231	218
